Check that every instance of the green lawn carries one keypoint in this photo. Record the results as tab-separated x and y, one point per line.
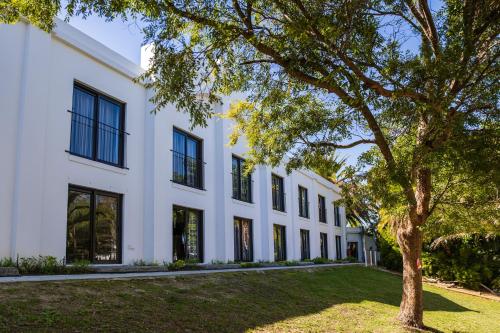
343	299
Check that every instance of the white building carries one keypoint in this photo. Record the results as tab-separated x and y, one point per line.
86	172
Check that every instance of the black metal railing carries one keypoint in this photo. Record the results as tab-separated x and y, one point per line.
93	139
242	187
279	200
187	170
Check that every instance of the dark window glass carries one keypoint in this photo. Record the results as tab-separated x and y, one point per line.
187	160
338	247
187	234
97	127
243	249
278	193
323	244
304	245
79	231
303	202
352	249
337	216
279	243
242	183
94	226
322	208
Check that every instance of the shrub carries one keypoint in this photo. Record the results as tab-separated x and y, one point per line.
142	262
7	262
250	264
390	255
41	265
291	263
176	265
321	261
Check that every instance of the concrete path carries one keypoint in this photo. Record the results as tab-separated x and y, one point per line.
148	275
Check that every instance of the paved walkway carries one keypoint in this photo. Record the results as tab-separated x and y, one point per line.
148	275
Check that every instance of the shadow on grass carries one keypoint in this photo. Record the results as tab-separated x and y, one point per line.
229	302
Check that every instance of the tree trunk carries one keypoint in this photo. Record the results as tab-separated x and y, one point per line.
411	308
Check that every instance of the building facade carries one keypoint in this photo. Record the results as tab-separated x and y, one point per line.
88	173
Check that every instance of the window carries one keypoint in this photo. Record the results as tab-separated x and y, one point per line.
93	226
337	216
187	234
279	243
338	247
323	244
243	247
352	249
304	245
187	160
303	202
97	127
278	193
242	183
321	209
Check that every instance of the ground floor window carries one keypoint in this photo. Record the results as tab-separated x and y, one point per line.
352	249
243	247
323	244
187	234
279	242
338	247
93	226
304	245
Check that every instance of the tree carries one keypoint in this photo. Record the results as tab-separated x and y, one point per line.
327	75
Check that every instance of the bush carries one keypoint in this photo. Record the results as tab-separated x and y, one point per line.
469	260
142	262
291	263
176	265
321	261
250	264
390	255
7	262
51	265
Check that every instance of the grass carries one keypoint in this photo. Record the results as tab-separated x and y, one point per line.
343	299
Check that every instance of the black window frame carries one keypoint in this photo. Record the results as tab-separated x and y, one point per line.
278	194
96	126
322	209
303	204
93	194
238	253
199	160
201	231
338	247
305	245
337	218
323	244
237	192
280	251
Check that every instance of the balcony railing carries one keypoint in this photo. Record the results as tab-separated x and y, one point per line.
96	140
187	170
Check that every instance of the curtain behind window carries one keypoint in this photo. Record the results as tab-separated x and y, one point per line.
82	123
109	131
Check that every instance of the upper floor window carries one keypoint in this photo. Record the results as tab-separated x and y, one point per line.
303	202
97	127
242	182
278	192
322	208
187	160
337	216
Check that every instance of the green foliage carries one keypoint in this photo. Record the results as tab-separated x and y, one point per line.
50	265
250	264
142	262
321	261
467	259
390	255
291	263
7	262
176	265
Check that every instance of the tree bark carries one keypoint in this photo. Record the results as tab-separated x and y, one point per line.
411	308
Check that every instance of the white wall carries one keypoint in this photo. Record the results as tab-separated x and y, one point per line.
36	87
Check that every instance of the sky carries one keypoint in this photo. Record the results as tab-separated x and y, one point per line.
126	39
